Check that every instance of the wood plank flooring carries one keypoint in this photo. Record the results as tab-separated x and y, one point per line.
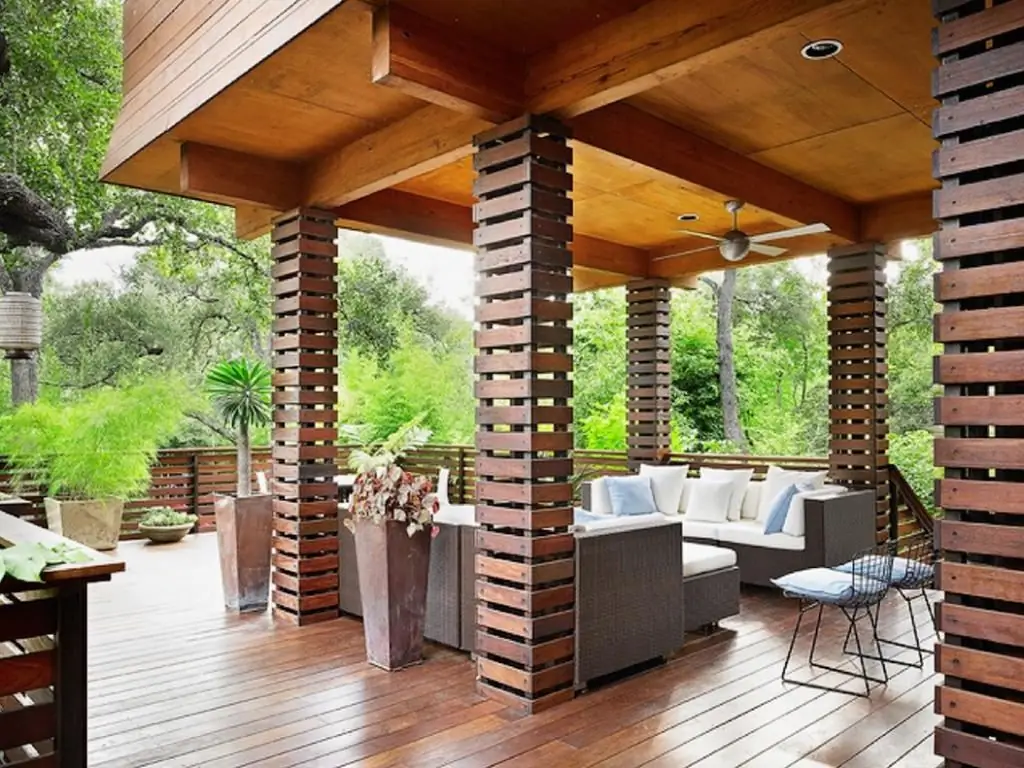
177	682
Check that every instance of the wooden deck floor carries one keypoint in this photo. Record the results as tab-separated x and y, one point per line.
177	682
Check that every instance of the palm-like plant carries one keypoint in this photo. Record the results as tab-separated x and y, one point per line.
240	392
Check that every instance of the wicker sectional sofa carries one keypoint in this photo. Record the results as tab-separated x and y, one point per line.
630	603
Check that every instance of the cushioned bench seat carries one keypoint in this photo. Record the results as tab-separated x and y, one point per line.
711	585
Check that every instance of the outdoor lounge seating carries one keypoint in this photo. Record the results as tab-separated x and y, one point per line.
825	527
626	577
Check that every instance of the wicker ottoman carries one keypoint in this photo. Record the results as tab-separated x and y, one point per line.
711	585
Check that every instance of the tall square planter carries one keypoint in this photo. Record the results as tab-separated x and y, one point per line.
393	571
244	537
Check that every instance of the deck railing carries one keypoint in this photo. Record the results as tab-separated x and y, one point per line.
187	479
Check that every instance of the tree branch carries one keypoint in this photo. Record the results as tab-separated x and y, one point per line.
211	425
27	219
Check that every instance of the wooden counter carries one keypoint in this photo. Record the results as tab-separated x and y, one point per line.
43	640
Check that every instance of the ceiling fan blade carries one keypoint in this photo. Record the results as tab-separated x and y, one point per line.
767	250
685	253
705	235
810	229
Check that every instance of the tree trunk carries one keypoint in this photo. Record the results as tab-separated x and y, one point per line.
25	380
727	363
244	464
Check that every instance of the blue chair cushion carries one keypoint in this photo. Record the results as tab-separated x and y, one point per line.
828	585
582	517
631	495
905	572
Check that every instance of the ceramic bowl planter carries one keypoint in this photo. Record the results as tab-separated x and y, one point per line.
244	538
393	569
96	524
165	534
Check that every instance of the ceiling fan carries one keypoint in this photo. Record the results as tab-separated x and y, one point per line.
735	244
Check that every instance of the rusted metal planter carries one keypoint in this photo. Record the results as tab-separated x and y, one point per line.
393	570
244	534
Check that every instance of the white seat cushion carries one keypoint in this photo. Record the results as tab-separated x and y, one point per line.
699	529
752	532
456	514
622	523
703	558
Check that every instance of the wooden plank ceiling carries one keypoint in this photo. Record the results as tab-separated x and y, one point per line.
676	105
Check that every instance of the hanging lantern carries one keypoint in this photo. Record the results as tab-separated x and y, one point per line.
21	324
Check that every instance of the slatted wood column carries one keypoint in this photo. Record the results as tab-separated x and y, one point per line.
981	369
525	561
305	579
648	371
858	373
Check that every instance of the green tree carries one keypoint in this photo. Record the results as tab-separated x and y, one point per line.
60	88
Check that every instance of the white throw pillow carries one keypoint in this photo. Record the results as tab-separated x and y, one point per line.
667	483
777	479
739	479
600	501
751	500
709	500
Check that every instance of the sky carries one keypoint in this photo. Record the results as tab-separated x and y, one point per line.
446	272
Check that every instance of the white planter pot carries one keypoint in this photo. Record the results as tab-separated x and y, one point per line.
96	524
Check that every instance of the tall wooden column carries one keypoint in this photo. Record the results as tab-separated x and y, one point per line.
525	562
981	369
858	373
305	560
648	371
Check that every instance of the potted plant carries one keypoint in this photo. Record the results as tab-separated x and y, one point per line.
92	454
163	525
240	393
392	514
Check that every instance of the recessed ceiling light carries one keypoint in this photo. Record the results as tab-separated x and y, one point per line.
689	217
821	49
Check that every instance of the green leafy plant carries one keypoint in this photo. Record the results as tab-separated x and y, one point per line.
383	490
160	517
240	393
26	562
99	446
409	436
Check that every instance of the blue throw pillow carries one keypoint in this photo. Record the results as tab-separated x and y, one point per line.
582	517
631	495
779	509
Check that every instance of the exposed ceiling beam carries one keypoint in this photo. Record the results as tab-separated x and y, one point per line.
447	67
225	176
661	40
424	141
635	135
423	219
901	218
413	217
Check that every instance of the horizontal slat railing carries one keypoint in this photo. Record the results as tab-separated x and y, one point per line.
187	479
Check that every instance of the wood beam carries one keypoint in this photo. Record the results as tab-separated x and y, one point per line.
225	176
443	66
424	141
659	41
902	218
411	217
635	135
422	219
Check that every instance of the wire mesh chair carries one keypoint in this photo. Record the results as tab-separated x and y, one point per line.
913	574
856	593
